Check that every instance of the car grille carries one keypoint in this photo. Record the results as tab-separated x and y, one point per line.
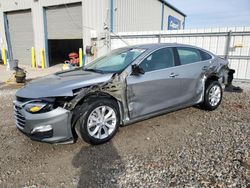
20	119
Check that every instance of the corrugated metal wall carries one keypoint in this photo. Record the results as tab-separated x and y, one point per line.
212	39
129	15
94	14
21	34
64	21
137	15
141	15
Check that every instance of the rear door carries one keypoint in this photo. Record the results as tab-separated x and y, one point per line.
158	88
193	65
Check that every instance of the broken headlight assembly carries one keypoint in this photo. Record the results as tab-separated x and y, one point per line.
38	107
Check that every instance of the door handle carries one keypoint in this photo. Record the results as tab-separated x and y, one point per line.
173	75
205	68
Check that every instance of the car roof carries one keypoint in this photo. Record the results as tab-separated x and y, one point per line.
159	45
154	46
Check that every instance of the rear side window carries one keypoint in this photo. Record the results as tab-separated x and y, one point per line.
188	55
160	59
205	56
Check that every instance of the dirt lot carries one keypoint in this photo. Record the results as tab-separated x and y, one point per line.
187	148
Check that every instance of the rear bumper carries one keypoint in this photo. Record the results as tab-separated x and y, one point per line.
50	127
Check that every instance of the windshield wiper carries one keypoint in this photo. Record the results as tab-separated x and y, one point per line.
94	70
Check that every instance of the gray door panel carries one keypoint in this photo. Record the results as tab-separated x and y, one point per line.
152	92
191	80
64	22
191	70
21	35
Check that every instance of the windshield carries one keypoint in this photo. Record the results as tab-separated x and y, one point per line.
114	62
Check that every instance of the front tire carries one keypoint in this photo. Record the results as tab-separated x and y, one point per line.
99	120
213	95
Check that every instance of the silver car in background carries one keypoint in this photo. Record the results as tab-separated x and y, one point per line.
127	85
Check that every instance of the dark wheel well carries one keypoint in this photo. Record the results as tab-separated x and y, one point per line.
95	95
212	78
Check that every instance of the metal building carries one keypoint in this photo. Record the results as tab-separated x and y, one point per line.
59	27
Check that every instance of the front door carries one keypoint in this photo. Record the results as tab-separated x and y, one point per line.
158	88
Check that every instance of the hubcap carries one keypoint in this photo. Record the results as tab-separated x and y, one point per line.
101	122
214	95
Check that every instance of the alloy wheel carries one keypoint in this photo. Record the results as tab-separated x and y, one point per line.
214	95
101	122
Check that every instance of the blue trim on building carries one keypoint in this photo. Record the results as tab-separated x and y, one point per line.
111	21
46	50
9	54
162	16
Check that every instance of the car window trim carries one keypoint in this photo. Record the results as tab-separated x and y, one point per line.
174	64
176	57
120	71
153	71
210	60
192	62
202	51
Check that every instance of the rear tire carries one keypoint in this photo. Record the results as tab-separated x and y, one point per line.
99	120
213	95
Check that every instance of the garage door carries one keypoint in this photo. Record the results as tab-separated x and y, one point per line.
64	22
21	35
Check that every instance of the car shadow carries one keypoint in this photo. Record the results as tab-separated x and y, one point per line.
100	166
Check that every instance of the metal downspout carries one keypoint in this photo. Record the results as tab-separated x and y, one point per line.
8	39
162	16
184	22
111	21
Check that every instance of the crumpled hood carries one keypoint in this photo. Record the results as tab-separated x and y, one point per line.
61	84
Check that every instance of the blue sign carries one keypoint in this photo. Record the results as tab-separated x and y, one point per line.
173	23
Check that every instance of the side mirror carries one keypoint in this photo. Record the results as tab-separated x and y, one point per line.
137	70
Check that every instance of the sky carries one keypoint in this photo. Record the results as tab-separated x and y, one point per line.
214	13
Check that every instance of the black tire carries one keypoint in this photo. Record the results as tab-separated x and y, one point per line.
85	110
207	103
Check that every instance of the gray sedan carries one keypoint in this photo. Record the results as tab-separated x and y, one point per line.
127	85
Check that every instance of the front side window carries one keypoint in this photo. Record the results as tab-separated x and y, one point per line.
114	62
160	59
188	55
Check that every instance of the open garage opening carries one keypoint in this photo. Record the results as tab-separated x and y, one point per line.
64	31
60	49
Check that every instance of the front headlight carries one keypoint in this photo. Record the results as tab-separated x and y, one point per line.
38	107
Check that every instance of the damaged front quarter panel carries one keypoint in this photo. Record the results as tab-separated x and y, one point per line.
115	87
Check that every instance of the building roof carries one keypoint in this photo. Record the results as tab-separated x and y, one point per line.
172	7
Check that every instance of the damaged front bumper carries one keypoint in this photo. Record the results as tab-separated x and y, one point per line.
51	127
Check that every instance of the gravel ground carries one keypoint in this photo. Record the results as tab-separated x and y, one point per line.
186	148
